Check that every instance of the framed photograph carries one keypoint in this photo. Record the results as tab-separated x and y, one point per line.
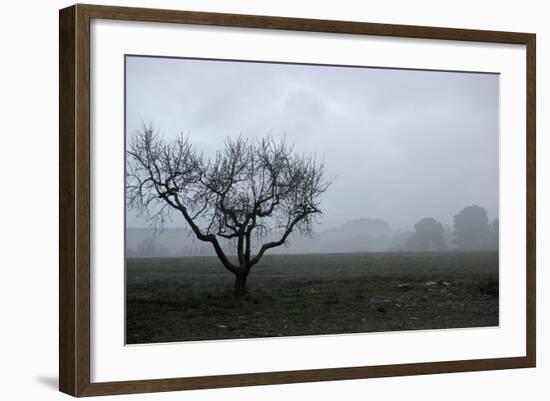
250	200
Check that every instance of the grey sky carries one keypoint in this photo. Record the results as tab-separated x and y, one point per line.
401	144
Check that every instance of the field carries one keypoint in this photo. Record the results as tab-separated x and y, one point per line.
185	299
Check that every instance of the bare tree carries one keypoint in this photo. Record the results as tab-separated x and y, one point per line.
253	192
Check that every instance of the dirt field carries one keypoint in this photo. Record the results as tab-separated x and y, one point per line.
185	299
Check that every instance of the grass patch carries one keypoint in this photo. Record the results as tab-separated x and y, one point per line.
187	299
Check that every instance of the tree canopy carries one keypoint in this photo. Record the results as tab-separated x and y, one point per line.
428	236
472	229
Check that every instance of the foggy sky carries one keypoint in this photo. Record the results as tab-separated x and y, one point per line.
401	144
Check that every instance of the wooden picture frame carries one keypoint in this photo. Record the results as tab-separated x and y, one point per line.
74	199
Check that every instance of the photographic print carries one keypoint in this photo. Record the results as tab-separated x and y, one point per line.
268	199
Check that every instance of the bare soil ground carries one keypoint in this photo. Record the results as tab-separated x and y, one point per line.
186	299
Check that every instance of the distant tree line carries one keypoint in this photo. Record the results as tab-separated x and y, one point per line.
150	247
472	232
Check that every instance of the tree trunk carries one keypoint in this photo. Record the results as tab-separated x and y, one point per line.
240	285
